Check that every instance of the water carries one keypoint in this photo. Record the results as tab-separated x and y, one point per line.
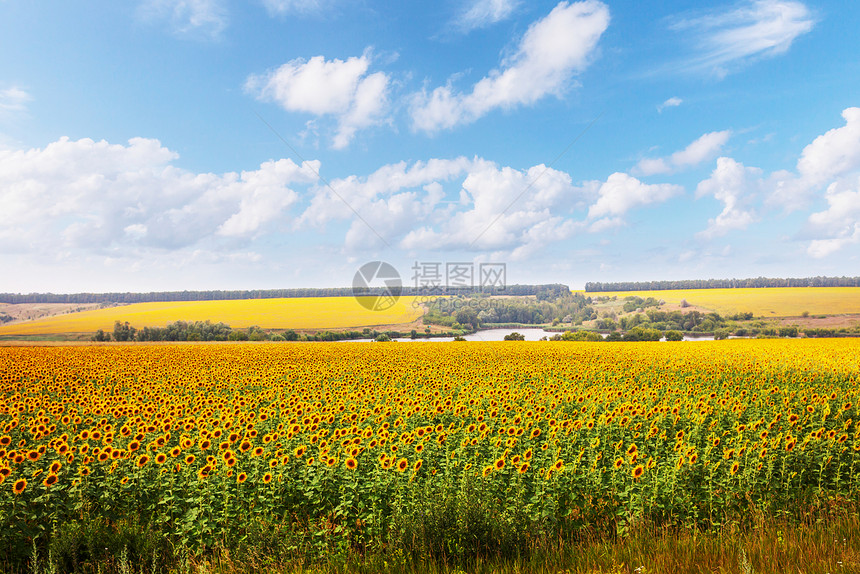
531	334
489	335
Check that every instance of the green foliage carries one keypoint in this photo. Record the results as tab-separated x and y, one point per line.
577	336
123	331
101	336
642	334
185	331
85	545
515	337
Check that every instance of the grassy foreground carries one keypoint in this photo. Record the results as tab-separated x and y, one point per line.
772	546
439	457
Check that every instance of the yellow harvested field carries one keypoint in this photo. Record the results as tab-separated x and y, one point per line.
292	313
762	302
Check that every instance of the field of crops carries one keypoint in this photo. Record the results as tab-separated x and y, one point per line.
456	448
293	313
765	302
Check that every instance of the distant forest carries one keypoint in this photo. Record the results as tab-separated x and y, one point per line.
597	287
162	296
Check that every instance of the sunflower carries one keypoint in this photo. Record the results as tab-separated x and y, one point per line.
160	458
50	480
500	463
402	465
19	486
735	468
55	467
267	478
142	460
618	462
189	460
417	466
242	477
351	463
175	451
523	468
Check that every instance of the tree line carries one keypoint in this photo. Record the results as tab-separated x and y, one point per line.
758	282
551	305
214	295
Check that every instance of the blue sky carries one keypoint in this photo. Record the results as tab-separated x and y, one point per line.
218	144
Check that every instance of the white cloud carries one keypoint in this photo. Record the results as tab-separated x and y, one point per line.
362	192
830	156
14	100
839	225
481	13
672	102
207	18
500	208
97	197
294	6
339	88
505	209
549	54
755	30
735	186
704	148
621	193
834	153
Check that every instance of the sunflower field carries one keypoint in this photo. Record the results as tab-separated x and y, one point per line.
439	448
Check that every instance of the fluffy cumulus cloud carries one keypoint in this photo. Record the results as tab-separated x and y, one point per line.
383	206
206	18
703	149
620	193
451	204
736	186
505	209
839	225
98	197
830	156
342	89
481	13
754	30
550	53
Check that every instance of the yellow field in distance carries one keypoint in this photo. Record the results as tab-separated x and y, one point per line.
291	313
762	302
